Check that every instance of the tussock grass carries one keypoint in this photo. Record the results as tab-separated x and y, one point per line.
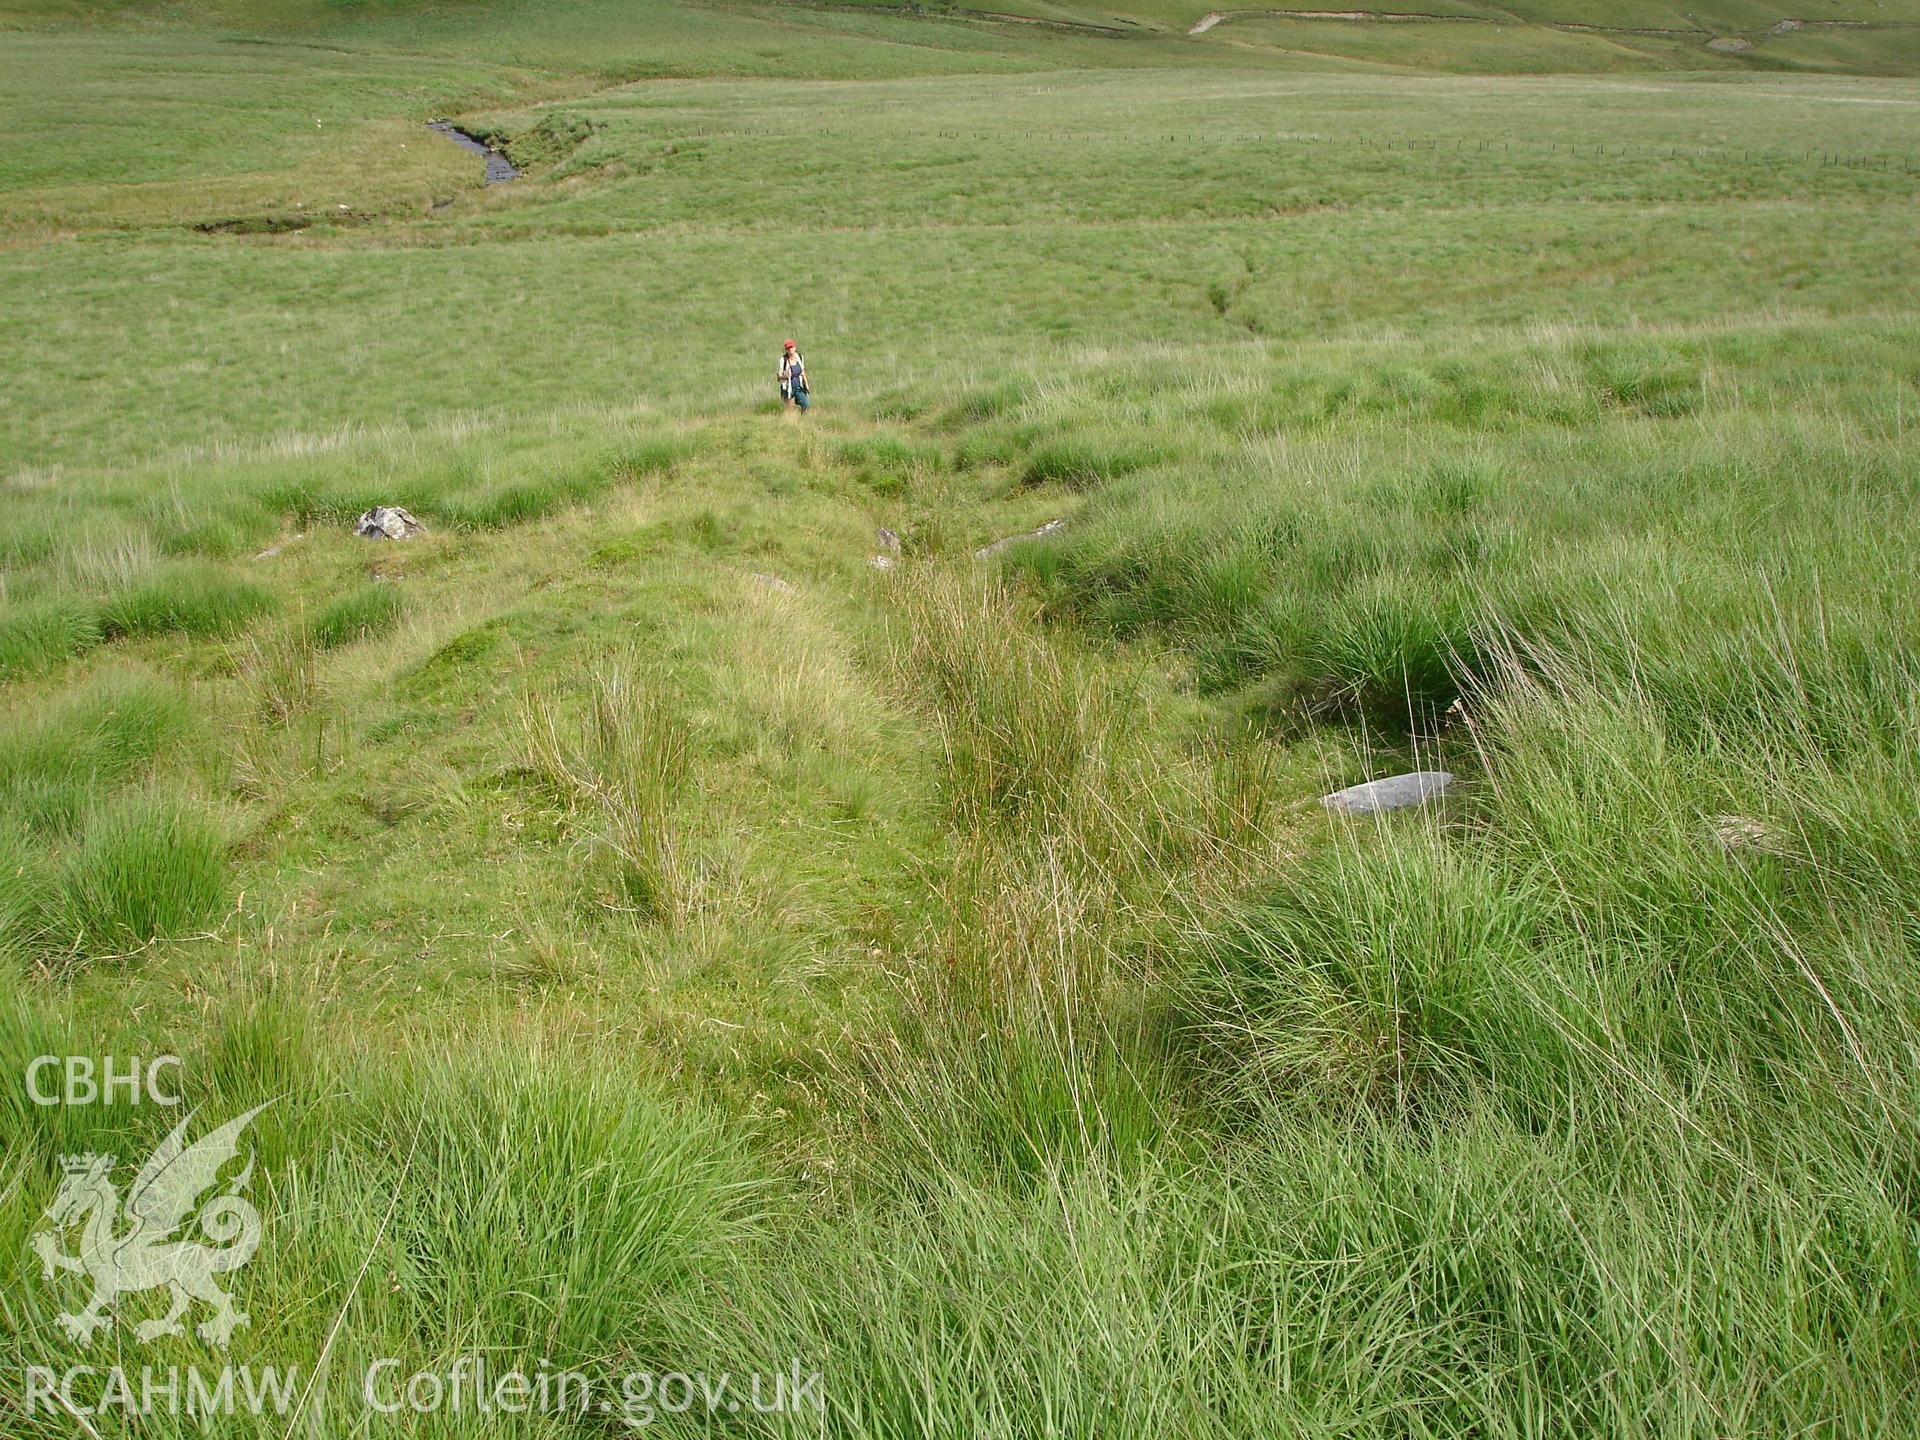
1080	463
640	1197
1585	980
363	614
1023	1039
425	1167
26	896
545	479
1023	727
144	866
103	556
97	867
1378	977
624	762
62	753
282	670
198	520
36	635
1034	1020
192	600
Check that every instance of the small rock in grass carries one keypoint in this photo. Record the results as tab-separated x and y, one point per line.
774	582
997	546
1735	833
889	541
1396	792
881	562
387	522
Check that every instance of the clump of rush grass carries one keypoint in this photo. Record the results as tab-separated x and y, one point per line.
1029	1033
39	634
363	614
282	670
60	755
1024	1035
144	866
191	599
1083	462
103	556
1379	973
27	888
474	499
1622	1029
1022	726
500	1188
496	506
624	762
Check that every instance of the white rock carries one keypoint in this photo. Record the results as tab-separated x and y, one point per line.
997	546
1396	792
387	522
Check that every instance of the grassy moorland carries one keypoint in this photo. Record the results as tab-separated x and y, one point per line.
673	942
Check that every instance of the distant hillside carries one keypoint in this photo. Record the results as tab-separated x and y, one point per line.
628	40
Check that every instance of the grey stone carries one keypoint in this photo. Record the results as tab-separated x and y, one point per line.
387	522
1396	792
774	582
986	551
889	541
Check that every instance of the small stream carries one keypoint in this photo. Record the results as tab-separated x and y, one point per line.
499	168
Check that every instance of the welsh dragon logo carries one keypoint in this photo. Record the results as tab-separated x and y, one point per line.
142	1249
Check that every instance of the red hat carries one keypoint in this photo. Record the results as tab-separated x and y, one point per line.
789	345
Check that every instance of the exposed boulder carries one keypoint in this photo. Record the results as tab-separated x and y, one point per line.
387	522
1396	792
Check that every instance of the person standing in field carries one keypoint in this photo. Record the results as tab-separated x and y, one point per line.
793	378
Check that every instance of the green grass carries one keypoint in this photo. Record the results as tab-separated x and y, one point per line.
192	600
628	767
39	634
142	869
90	737
364	614
677	930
